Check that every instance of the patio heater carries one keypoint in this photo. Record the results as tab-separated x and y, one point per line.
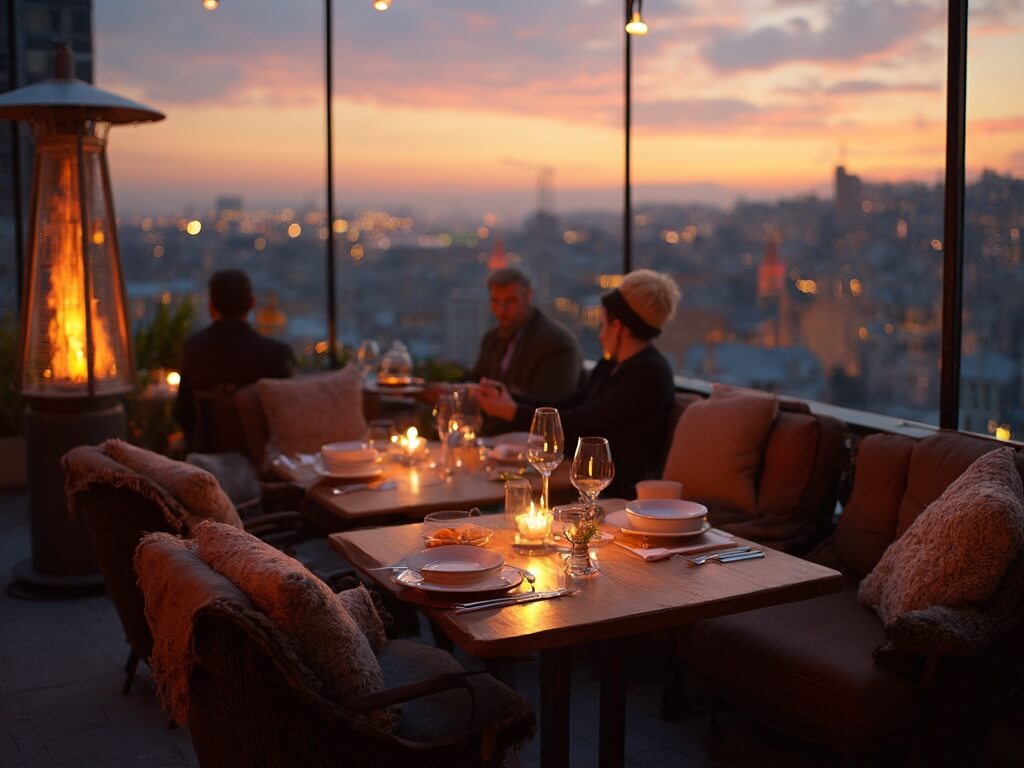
75	351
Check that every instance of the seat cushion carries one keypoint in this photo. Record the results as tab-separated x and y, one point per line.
303	608
717	447
359	605
807	662
955	552
788	462
869	520
234	474
443	717
305	412
196	489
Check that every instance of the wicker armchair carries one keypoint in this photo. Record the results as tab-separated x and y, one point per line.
253	701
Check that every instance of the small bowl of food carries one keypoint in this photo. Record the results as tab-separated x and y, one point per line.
454	526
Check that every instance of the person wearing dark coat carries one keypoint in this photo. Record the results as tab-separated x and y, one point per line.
629	394
532	355
228	354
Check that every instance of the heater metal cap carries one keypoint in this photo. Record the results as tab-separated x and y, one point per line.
66	93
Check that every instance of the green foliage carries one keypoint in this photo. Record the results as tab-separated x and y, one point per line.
433	369
12	406
158	345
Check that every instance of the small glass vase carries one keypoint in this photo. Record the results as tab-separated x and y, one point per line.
579	564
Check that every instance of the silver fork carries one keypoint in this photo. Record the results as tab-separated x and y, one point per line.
378	485
701	559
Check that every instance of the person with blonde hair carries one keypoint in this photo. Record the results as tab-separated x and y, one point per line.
628	396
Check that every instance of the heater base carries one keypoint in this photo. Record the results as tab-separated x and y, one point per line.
30	582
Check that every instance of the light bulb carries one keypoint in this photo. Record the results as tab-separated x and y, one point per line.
381	5
636	25
211	5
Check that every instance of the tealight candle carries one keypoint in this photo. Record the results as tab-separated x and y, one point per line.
535	525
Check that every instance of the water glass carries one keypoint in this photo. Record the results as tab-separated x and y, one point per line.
518	495
367	356
380	433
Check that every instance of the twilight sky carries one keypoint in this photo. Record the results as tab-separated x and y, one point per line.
455	105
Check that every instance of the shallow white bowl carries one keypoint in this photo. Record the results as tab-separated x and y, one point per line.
353	452
666	515
455	564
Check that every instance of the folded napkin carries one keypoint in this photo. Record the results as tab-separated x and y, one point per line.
706	542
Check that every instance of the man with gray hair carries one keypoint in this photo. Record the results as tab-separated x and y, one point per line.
531	354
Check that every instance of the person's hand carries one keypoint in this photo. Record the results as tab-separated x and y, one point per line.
433	390
495	400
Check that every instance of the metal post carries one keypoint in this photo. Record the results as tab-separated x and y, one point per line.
83	212
332	309
627	206
16	186
953	229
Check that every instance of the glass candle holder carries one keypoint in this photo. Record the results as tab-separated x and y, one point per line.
534	526
518	495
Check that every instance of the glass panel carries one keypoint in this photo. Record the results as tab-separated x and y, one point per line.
473	135
233	178
993	319
788	166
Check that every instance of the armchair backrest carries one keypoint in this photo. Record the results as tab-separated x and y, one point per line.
895	479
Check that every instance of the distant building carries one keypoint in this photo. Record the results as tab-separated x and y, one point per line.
467	316
790	370
849	195
988	390
229	206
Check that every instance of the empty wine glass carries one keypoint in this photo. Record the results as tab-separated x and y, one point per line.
545	446
367	356
467	413
444	409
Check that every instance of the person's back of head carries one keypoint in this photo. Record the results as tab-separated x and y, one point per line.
651	295
230	294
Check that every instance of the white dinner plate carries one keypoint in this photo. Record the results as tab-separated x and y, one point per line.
456	564
620	520
347	474
505	578
508	453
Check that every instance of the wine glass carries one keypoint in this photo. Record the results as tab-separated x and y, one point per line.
367	355
467	413
592	469
444	410
545	446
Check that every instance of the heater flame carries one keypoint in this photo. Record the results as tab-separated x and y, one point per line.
66	299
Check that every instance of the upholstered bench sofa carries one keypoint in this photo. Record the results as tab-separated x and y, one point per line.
828	669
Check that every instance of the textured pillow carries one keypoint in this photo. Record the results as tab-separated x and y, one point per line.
196	489
717	447
305	412
956	551
359	605
303	608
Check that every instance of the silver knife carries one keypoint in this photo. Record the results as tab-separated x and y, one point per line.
741	556
501	602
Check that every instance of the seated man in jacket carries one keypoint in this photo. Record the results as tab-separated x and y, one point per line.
228	353
531	354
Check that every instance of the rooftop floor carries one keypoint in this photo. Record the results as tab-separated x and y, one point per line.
60	703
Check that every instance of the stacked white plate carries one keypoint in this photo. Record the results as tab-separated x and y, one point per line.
666	516
459	567
349	459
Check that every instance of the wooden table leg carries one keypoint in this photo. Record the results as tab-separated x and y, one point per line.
555	690
612	734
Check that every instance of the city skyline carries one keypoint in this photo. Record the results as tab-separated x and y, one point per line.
455	105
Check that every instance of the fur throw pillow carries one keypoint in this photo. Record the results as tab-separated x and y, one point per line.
305	412
717	449
956	552
304	608
195	489
359	605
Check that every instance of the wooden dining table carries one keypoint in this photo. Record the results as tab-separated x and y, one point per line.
418	488
630	596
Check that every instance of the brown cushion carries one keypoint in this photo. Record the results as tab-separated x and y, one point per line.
806	663
717	447
868	523
303	608
938	461
308	411
957	550
254	423
788	461
359	605
196	489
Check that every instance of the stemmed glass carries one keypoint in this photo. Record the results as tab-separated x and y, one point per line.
367	355
466	413
444	410
545	446
592	471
